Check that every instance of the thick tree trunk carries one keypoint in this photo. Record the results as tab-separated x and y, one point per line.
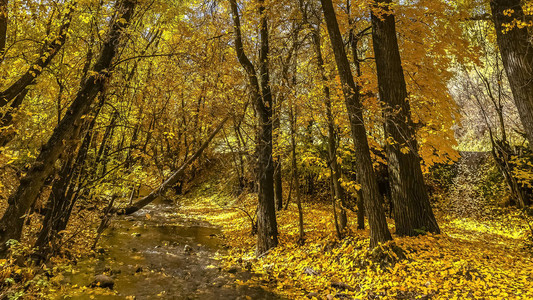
412	211
23	198
516	50
379	232
267	228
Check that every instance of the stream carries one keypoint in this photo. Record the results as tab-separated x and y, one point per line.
155	254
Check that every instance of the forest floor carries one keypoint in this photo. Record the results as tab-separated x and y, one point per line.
482	258
471	259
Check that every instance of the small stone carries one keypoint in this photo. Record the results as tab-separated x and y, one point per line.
219	282
329	297
115	271
312	295
103	281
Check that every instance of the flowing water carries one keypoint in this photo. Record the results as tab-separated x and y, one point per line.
148	258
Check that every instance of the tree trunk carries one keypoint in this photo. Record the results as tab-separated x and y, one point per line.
27	192
267	228
334	208
295	176
61	200
516	51
101	156
338	191
412	211
278	188
379	232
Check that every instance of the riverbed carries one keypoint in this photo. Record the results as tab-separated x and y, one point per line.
158	254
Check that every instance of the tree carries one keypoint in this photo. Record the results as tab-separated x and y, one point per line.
516	50
294	166
412	210
11	223
64	192
338	191
267	232
379	232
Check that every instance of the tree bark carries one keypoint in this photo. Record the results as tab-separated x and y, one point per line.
379	232
412	211
516	51
27	192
